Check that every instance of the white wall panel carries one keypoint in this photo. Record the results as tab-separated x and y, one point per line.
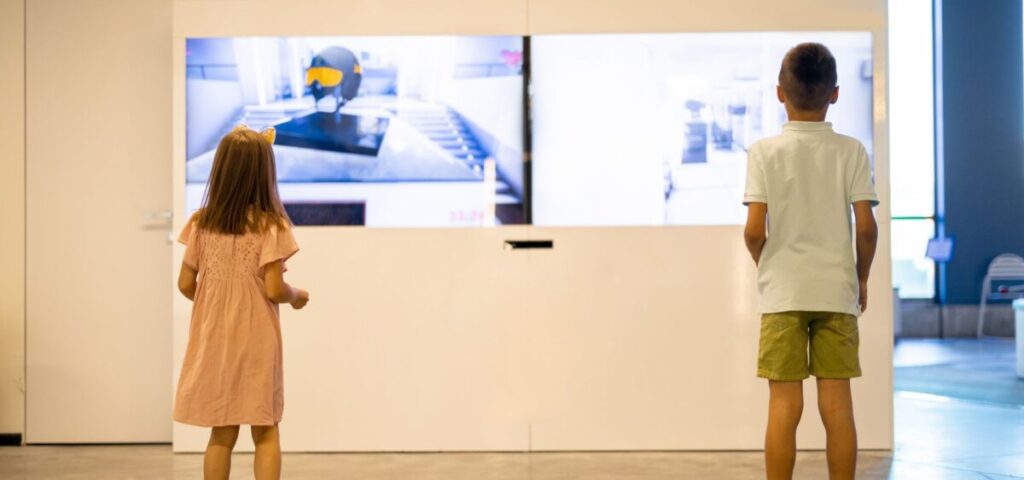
719	404
619	338
12	216
223	18
625	16
98	140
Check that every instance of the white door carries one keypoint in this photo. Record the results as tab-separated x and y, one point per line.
98	160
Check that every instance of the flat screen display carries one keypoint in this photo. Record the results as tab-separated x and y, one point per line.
653	129
377	131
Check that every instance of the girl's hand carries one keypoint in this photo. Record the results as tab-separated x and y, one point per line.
301	299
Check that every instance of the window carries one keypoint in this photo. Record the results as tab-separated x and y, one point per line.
912	145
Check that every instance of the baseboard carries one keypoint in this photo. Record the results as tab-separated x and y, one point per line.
921	320
10	439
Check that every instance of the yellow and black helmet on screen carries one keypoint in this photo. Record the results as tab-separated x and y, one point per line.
334	71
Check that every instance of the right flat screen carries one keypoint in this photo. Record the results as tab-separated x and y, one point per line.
653	129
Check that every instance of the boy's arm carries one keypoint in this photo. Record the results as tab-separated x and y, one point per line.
867	241
187	281
756	231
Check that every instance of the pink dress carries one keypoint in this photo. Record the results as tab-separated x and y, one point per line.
232	373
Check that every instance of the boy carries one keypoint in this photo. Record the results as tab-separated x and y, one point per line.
800	186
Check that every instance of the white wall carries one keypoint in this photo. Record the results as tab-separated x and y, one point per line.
97	290
12	216
728	335
619	338
146	134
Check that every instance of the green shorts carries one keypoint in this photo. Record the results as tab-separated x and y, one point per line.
785	336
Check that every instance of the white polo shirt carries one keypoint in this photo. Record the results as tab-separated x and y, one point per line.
809	176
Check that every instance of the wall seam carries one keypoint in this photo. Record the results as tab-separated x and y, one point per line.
24	221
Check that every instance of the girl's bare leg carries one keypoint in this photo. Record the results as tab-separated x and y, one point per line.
267	464
217	462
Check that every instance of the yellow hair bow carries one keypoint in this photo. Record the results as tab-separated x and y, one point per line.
269	133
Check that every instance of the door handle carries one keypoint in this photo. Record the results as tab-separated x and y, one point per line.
166	215
160	220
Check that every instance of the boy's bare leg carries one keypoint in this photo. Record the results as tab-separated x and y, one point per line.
267	464
836	406
217	461
785	406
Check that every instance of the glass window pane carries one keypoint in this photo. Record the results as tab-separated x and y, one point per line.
911	108
912	272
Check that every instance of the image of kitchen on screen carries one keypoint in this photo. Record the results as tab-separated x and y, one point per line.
399	131
653	129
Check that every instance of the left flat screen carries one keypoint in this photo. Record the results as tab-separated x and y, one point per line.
401	131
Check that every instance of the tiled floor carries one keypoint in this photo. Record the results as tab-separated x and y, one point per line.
937	438
976	428
981	371
155	462
954	439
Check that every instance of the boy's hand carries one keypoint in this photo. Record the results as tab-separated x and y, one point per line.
755	234
863	296
301	299
867	241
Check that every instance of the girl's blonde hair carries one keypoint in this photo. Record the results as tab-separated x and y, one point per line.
241	195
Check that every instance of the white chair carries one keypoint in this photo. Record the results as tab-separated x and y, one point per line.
1004	267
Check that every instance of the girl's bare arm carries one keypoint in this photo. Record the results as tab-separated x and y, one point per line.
280	292
187	281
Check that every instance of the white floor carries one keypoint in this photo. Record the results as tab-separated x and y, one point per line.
937	438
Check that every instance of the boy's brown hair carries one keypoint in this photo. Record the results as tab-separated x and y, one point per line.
242	193
808	76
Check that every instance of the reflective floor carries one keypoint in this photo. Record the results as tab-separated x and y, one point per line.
937	438
959	410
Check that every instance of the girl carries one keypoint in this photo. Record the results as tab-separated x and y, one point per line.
233	272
